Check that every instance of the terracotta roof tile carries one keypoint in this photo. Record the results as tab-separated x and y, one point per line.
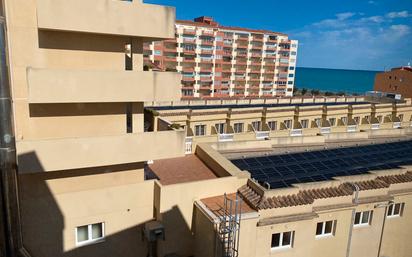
216	204
304	197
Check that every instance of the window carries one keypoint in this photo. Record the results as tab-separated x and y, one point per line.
401	117
220	128
356	119
304	123
256	125
282	240
367	118
238	127
379	117
344	120
290	75
363	218
332	121
325	228
318	122
89	233
395	210
291	68
157	52
272	125
290	82
200	130
288	124
292	53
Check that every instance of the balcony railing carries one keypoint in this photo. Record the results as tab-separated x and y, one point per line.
296	132
107	17
375	126
351	128
325	130
397	124
188	145
225	137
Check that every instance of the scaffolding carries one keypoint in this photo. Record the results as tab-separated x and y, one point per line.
229	227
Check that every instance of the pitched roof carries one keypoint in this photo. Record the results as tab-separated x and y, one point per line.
258	201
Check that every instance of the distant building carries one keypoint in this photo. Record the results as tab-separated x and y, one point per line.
220	62
396	81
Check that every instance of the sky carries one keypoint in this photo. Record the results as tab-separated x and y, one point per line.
341	34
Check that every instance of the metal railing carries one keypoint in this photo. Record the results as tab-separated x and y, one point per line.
225	137
397	124
262	134
375	126
351	128
188	145
296	132
325	130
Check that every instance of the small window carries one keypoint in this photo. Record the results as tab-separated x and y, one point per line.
344	120
325	228
304	123
89	234
318	122
272	125
357	120
332	121
200	130
282	240
288	124
238	127
220	128
363	218
395	210
157	52
256	125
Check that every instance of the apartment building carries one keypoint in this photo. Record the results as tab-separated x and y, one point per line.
397	81
218	61
78	87
279	120
85	187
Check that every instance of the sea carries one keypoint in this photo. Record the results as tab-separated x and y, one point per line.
335	80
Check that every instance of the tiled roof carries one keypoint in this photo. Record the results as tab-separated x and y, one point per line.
304	197
181	169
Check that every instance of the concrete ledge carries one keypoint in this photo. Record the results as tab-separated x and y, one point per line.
340	136
79	86
75	153
107	17
297	140
386	132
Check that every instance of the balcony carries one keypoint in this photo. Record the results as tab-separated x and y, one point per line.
82	86
206	42
189	40
206	51
189	51
122	18
86	152
189	32
208	33
188	79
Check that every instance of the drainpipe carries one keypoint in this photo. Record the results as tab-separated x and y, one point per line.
386	205
10	230
355	201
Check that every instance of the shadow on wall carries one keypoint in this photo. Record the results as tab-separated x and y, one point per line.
44	224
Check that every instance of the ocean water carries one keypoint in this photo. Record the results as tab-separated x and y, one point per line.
333	80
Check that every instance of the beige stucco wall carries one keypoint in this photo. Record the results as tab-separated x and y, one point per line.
53	205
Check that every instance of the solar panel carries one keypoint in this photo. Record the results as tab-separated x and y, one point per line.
287	169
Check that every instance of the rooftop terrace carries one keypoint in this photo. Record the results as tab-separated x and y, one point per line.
202	107
180	170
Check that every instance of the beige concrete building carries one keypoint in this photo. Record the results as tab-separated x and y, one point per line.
92	182
263	123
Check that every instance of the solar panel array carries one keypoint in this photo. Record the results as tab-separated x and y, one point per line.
287	169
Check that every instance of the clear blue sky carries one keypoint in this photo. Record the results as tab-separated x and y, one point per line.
343	34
